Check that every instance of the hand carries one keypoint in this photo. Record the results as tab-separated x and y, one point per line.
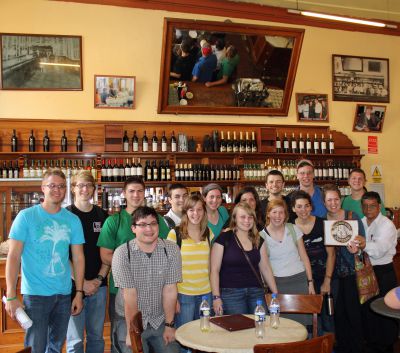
178	307
128	340
91	287
169	335
77	304
12	306
353	247
217	306
361	241
326	286
311	289
208	84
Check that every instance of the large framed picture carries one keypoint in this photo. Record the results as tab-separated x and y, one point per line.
369	118
360	79
312	107
114	92
41	62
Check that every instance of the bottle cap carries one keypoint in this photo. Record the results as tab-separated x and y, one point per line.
259	301
274	295
204	297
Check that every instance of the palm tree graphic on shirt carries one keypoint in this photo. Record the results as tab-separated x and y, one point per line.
56	233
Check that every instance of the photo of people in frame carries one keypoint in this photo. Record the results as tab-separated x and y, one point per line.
369	118
312	107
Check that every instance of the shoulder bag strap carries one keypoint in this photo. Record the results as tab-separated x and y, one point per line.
256	273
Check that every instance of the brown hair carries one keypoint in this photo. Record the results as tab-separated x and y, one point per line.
330	187
273	204
84	175
191	202
253	232
53	171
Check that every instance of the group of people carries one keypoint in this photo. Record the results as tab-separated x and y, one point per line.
210	63
164	266
313	109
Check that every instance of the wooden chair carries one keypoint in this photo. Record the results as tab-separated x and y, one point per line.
300	304
323	344
25	350
135	331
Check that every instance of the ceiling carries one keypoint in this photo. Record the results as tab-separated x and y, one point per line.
388	10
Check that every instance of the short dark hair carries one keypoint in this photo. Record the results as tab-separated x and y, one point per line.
186	45
357	170
298	195
176	186
371	195
134	180
275	172
142	212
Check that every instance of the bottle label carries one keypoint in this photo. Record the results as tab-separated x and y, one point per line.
155	147
164	147
278	145
323	145
205	312
126	147
285	144
331	145
308	145
173	146
145	147
301	143
139	171
259	317
135	147
274	309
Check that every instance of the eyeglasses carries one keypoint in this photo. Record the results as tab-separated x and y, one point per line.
371	207
55	186
145	225
88	186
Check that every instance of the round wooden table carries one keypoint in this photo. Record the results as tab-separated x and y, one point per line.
220	340
379	306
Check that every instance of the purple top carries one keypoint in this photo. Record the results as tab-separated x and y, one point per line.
235	270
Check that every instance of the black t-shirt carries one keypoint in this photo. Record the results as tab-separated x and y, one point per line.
91	223
184	66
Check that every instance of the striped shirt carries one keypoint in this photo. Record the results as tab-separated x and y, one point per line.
195	265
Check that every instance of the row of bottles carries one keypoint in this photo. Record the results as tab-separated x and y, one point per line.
238	146
9	172
300	145
165	145
46	142
206	172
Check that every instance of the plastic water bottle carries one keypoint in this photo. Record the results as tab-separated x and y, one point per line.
259	319
274	310
204	315
21	316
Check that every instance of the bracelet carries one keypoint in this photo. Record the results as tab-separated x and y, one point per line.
310	281
215	297
11	299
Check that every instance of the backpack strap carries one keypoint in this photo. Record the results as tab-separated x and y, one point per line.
178	237
292	233
170	222
129	251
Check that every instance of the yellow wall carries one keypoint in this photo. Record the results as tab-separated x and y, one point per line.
123	41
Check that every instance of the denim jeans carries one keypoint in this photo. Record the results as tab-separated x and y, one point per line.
50	316
190	308
92	319
241	300
153	341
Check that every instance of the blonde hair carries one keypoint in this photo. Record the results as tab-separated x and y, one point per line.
274	204
191	202
253	232
84	175
53	171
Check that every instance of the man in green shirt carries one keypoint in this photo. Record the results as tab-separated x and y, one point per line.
357	180
117	231
228	67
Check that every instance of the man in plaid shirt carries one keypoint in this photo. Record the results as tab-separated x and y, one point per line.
147	270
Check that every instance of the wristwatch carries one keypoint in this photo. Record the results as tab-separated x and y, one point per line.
100	278
170	324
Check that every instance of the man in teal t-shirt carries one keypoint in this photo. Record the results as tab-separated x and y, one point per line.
357	181
117	231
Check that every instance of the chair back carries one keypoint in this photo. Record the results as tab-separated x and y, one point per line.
322	344
301	304
135	331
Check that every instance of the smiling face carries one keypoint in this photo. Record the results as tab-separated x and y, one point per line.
196	213
249	198
332	202
83	190
276	216
356	181
305	176
146	230
274	184
177	200
244	221
213	199
134	194
54	188
371	209
302	208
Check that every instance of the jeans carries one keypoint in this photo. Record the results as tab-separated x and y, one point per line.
50	316
241	300
153	338
92	319
190	308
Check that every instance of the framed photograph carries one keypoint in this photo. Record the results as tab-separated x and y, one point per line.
41	62
360	79
339	233
312	107
114	92
369	118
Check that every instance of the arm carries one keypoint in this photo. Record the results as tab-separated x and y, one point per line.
266	270
130	308
391	298
174	74
330	266
169	298
90	287
217	253
307	265
106	256
12	269
221	81
78	263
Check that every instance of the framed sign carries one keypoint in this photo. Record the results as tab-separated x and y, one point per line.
360	79
312	107
339	233
114	92
41	62
369	118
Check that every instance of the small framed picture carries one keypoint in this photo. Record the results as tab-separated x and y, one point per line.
312	107
369	118
116	92
339	233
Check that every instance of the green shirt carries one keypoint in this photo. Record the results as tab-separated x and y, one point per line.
117	231
350	204
228	65
217	228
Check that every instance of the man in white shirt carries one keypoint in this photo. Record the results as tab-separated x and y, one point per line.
177	194
380	244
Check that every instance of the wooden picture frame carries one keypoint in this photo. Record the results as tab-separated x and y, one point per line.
43	62
360	79
369	118
260	82
116	92
312	107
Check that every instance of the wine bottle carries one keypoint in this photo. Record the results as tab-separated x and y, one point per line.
278	144
323	145
46	142
316	144
127	170
79	142
135	142
133	168
253	143
32	172
222	146
301	144
229	143
93	169
168	171
164	143
14	142
235	143
121	169
64	142
145	142
248	143
103	171
331	145
10	170
154	171
25	169
186	172
109	171
308	144
173	142
154	142
139	169
242	144
148	171
32	142
125	142
294	144
115	171
285	144
161	172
